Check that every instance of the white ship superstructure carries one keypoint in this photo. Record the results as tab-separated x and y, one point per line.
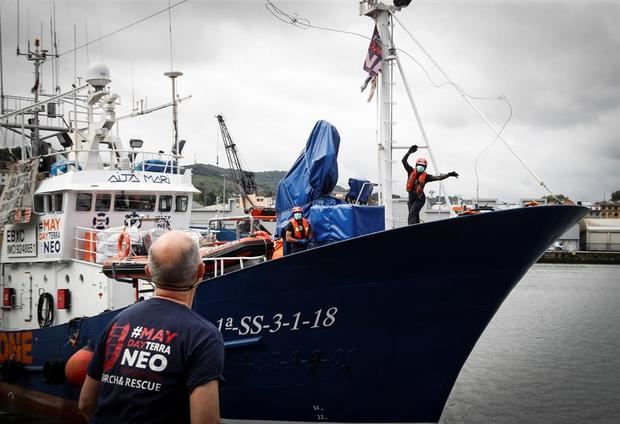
57	215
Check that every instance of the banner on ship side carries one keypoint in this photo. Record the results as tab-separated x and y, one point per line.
16	198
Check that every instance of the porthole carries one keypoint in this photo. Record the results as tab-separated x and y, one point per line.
10	278
45	278
67	278
81	279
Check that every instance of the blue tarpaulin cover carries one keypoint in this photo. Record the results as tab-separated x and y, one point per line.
308	184
314	173
341	222
156	165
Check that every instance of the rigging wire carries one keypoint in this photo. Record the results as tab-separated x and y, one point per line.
304	23
480	114
487	148
139	21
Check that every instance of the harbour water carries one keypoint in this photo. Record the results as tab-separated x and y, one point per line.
550	355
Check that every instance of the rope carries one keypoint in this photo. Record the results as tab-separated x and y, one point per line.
139	21
480	114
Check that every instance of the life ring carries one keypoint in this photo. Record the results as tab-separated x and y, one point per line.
124	244
45	317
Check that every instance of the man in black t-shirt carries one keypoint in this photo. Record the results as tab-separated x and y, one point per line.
416	180
158	360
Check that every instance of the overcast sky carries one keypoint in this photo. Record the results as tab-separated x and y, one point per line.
557	62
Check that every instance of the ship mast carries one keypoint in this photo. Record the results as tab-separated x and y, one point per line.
382	15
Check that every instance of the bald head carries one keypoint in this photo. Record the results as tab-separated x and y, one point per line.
174	260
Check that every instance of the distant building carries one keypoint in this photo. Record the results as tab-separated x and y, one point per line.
602	234
606	209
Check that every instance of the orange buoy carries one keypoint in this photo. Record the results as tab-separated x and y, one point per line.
77	365
124	244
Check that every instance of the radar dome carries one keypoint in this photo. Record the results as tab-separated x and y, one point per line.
98	75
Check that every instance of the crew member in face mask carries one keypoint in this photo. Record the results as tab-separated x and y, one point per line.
298	231
416	180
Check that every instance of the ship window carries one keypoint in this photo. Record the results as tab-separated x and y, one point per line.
57	202
181	204
42	203
134	202
103	202
83	201
165	203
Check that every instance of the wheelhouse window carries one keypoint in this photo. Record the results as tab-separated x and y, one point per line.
180	204
57	199
134	202
42	203
165	203
83	202
103	202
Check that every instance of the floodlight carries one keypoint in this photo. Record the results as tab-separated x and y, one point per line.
136	143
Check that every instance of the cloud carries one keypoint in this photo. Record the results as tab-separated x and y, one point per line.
555	61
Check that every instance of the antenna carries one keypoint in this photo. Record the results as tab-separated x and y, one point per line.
170	33
56	57
17	50
1	69
173	76
53	85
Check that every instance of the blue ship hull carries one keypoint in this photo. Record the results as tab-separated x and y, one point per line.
372	329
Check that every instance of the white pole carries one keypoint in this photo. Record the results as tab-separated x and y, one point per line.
385	116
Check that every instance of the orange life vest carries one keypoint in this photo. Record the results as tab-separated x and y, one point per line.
416	184
305	226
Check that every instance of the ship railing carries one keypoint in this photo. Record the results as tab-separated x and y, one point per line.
138	164
217	267
85	245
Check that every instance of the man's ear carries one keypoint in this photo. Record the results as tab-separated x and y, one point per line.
147	271
200	272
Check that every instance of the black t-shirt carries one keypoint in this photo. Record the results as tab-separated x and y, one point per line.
149	360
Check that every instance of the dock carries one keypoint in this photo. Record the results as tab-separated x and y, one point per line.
580	257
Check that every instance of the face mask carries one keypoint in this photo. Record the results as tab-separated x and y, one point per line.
420	168
297	216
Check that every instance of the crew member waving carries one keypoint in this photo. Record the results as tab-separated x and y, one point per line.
298	231
416	180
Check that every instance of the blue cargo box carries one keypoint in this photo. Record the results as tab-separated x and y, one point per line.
341	222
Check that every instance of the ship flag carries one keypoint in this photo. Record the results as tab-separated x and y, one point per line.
372	63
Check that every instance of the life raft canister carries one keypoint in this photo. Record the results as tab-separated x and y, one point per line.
77	365
416	186
305	226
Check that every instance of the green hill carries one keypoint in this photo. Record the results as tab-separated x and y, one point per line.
209	179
